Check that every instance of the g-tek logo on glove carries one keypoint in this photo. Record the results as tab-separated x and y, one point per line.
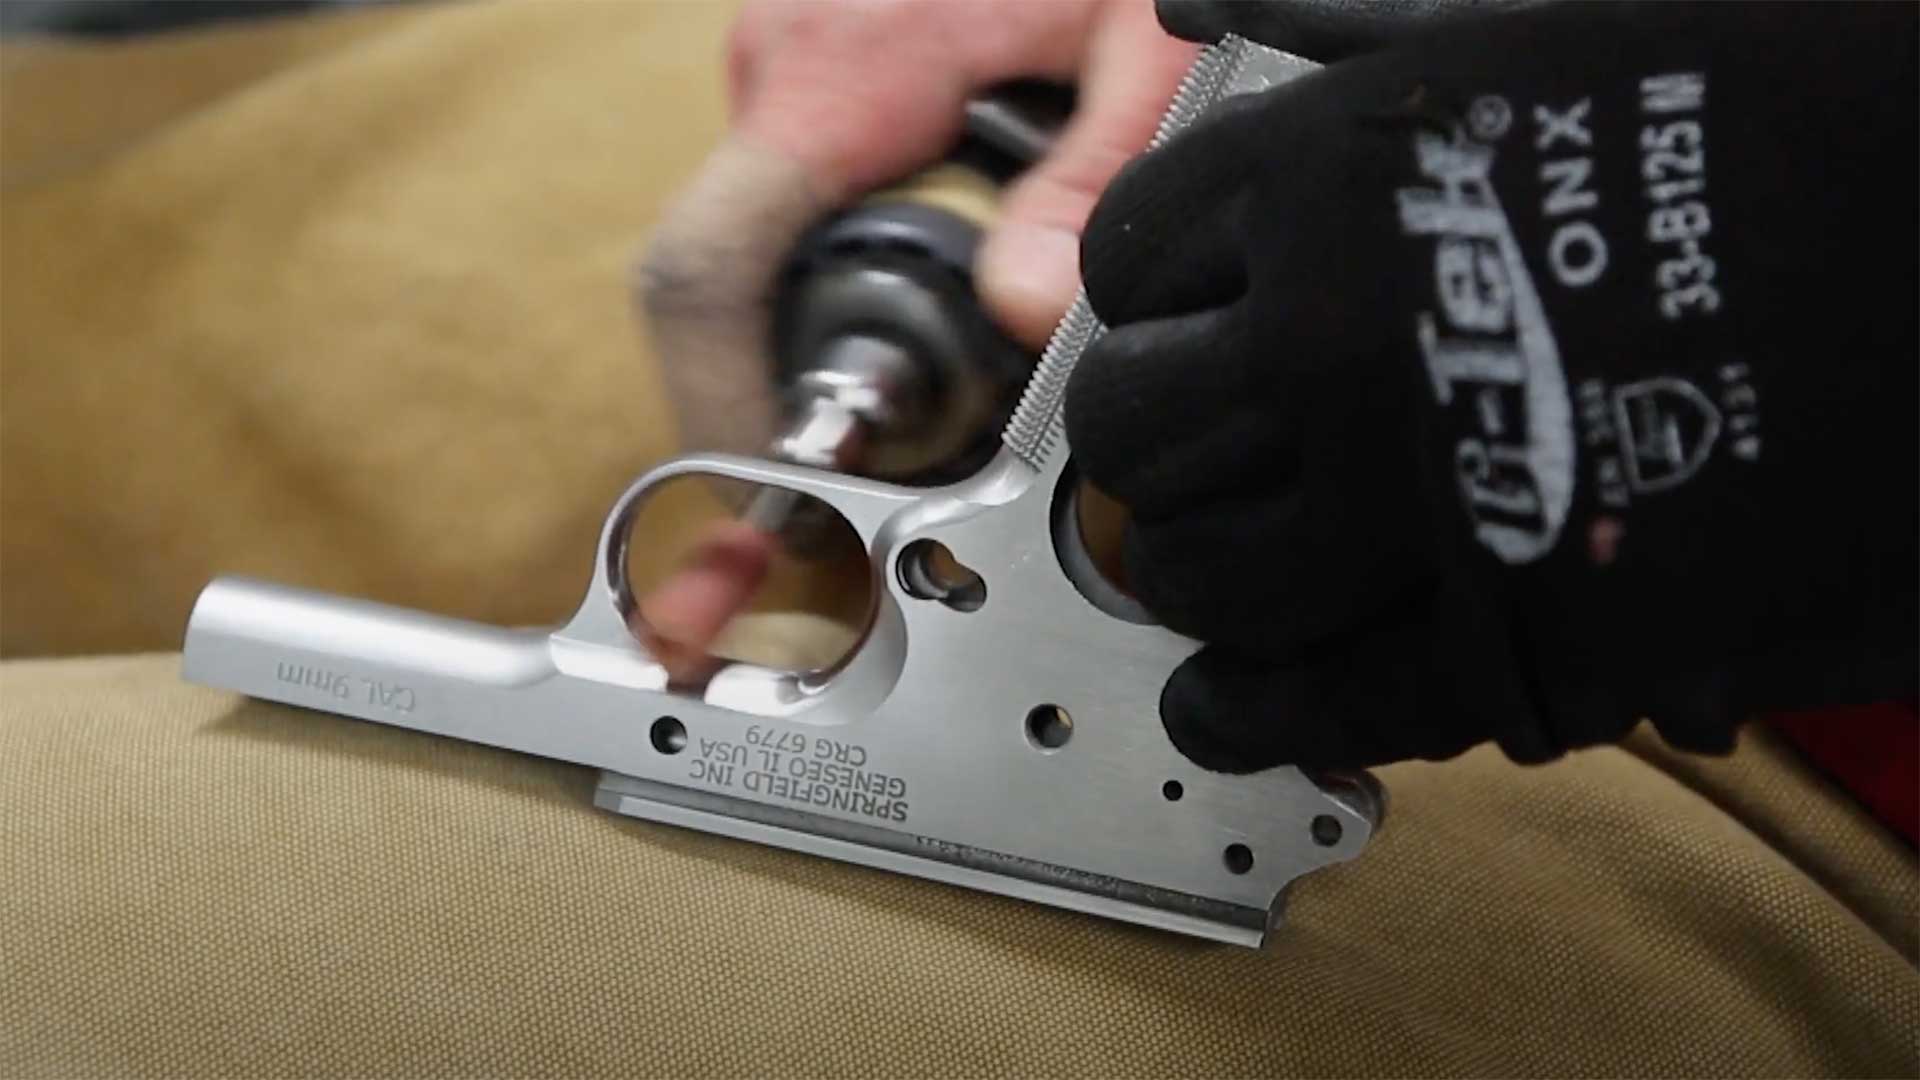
1491	345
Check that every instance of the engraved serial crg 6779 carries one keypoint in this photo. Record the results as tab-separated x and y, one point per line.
1010	744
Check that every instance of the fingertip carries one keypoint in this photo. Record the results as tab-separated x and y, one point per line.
1027	275
1232	713
1212	729
691	608
740	547
685	665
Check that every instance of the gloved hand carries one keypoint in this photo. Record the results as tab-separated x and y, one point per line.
1541	373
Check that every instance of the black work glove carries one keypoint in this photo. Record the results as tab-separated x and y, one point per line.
1547	372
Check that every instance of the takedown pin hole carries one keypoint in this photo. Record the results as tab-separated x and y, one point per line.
1238	857
928	571
1326	830
668	735
1049	727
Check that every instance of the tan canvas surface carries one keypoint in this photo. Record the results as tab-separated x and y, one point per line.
343	303
198	886
359	321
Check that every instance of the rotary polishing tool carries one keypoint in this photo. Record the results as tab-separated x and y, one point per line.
886	364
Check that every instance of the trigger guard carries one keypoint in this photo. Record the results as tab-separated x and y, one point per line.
603	617
852	687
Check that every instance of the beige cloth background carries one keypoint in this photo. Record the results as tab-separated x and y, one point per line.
342	302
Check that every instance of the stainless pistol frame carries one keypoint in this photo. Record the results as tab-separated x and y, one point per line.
1009	742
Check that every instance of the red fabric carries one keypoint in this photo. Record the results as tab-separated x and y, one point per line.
1873	751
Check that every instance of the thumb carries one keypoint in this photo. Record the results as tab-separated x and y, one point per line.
1028	268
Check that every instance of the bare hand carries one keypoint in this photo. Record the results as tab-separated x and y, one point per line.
831	100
